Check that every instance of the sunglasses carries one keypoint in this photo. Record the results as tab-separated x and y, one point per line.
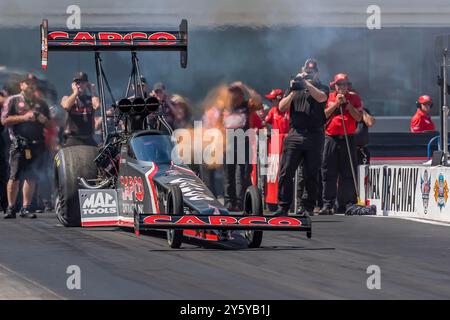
341	84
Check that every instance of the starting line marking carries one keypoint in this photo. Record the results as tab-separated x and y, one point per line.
437	223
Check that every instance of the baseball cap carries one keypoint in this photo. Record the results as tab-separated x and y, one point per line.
80	77
425	99
310	65
340	77
274	94
159	86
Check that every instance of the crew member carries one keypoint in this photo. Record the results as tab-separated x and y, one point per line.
80	106
421	122
278	123
26	116
275	118
305	100
239	114
336	157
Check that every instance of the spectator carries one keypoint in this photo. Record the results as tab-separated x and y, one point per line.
3	159
214	105
181	112
80	106
421	122
336	161
276	120
26	116
239	114
168	109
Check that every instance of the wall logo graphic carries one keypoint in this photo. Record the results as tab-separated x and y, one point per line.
425	188
441	191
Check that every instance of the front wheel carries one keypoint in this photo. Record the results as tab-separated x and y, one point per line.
253	207
175	207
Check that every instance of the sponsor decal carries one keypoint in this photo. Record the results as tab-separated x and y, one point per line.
222	220
113	38
399	189
133	188
425	187
173	173
98	202
372	183
441	191
192	189
131	208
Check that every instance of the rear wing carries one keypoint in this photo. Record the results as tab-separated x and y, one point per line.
78	40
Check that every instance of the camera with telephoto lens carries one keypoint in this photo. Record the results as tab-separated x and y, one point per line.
299	82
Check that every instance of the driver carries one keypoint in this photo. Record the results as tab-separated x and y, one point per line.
81	106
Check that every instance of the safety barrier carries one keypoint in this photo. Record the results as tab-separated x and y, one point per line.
410	191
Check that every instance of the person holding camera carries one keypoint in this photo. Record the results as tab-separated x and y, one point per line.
343	111
26	116
305	100
80	106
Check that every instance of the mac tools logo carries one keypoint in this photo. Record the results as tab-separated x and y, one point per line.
98	202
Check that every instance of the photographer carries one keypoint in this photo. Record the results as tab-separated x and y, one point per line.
336	161
26	116
305	101
81	106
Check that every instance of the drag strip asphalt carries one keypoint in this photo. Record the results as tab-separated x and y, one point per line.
413	257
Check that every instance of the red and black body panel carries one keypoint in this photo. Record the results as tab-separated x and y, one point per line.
142	188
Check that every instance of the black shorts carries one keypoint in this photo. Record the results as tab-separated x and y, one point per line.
26	169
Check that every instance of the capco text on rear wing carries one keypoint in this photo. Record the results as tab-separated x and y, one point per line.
139	40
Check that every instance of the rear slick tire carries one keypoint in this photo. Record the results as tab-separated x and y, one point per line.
70	164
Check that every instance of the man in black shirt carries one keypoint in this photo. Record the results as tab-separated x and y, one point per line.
25	116
3	158
361	137
81	106
305	101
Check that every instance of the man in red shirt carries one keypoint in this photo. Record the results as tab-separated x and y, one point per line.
421	121
277	120
336	163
